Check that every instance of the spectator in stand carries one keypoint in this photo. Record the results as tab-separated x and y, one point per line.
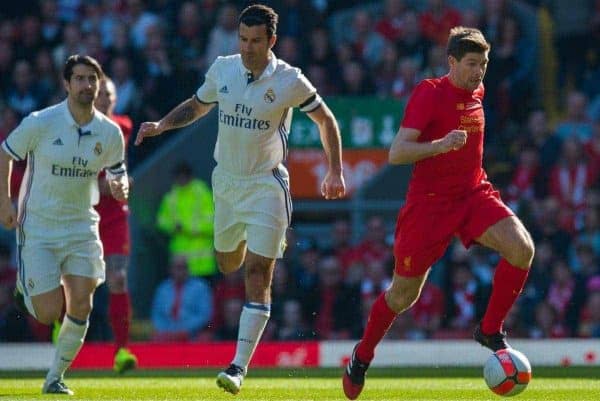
428	311
463	299
293	327
341	244
23	95
374	247
562	291
228	329
523	183
412	43
182	305
6	63
330	304
548	144
126	87
366	43
114	234
384	73
437	20
51	25
576	123
390	25
570	180
320	51
140	20
546	323
30	38
436	62
186	214
223	38
547	227
407	78
296	17
190	39
355	80
589	325
46	74
230	286
571	38
71	43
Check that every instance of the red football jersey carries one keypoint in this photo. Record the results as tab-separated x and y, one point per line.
114	227
435	108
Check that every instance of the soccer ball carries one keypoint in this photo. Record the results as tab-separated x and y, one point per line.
507	372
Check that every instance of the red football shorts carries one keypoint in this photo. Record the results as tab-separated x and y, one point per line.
427	224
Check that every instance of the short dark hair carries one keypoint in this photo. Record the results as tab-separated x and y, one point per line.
76	59
259	14
463	40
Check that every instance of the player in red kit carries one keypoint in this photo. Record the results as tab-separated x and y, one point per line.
448	195
114	234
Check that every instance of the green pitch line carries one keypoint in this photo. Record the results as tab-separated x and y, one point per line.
296	389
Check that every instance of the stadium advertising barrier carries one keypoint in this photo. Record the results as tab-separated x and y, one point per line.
368	127
572	352
308	168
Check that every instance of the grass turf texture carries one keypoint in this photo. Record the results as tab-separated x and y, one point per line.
548	384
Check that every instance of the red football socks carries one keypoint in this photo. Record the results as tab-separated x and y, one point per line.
508	283
119	313
380	319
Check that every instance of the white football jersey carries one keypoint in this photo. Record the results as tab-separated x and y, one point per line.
60	185
254	114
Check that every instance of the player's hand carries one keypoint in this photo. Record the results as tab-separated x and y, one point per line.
333	186
119	188
454	140
147	129
8	214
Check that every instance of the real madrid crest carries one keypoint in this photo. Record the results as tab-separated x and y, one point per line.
269	96
98	149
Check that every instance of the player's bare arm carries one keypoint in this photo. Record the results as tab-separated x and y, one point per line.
8	214
182	115
406	150
333	185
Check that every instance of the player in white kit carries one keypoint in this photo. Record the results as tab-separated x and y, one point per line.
255	93
66	146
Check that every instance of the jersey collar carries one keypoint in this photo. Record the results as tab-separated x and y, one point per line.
269	69
86	129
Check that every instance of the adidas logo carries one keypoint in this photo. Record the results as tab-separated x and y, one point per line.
224	89
58	141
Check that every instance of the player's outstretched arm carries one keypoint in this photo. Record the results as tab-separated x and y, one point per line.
8	214
406	150
184	114
333	185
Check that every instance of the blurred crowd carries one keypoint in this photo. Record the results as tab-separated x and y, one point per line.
544	156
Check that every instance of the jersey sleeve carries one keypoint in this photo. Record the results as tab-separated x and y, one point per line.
418	112
207	92
304	94
115	161
22	139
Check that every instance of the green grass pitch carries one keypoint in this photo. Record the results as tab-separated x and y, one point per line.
548	384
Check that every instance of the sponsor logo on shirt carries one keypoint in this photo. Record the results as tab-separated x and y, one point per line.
98	149
471	106
224	89
58	141
460	106
243	119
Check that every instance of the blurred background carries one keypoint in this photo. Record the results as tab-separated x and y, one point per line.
542	151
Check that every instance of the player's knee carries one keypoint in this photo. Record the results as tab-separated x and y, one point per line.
227	265
48	314
522	254
399	301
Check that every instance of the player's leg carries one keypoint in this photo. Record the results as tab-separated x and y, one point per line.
230	262
423	232
78	295
119	310
264	246
510	238
493	224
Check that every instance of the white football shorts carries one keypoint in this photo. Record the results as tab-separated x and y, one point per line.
41	264
257	209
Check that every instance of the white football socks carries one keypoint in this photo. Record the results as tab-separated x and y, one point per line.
253	320
69	342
